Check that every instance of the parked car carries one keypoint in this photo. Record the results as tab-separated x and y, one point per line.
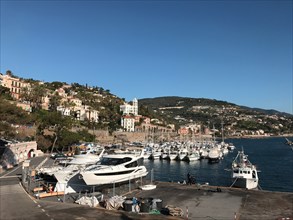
58	156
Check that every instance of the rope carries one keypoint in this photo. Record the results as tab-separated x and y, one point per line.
234	182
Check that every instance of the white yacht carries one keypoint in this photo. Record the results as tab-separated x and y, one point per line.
164	155
193	156
156	154
172	155
214	156
244	174
182	154
204	154
66	177
86	158
115	169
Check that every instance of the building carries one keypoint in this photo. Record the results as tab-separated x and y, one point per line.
16	152
13	84
140	118
24	106
127	122
128	109
81	113
130	115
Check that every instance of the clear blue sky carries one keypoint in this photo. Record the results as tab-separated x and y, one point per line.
236	51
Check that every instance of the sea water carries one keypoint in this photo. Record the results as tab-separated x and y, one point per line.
272	157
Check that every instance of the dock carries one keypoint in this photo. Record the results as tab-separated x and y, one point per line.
196	202
213	202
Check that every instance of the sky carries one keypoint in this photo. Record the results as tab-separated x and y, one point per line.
239	51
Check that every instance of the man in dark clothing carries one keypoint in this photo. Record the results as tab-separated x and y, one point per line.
188	178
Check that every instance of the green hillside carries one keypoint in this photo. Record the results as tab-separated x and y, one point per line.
211	112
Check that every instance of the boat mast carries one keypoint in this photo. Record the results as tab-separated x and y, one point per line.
222	130
223	125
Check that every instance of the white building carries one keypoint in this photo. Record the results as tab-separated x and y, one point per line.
80	113
127	122
128	109
63	110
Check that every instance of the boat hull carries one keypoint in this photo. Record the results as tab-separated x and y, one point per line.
90	178
245	183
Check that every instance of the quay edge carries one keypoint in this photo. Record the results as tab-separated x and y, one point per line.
201	202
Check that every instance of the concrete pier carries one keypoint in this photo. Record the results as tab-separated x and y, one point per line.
206	202
197	202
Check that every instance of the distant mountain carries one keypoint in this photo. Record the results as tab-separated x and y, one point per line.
187	102
268	111
209	112
172	101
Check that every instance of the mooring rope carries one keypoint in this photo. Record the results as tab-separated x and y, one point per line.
234	182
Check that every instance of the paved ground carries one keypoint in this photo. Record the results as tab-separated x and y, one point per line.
206	203
15	204
198	202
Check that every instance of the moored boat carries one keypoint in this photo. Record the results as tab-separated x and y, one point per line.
115	169
214	156
244	173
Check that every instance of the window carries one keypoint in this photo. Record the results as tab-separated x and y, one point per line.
133	164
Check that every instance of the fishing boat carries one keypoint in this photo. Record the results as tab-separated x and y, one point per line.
244	173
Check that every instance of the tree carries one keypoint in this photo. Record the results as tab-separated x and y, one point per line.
55	101
54	85
33	95
5	93
52	122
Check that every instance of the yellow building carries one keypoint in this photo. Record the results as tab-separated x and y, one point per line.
13	84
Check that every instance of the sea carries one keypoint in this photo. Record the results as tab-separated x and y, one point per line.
272	157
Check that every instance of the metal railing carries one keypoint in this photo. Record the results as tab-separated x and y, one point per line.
119	187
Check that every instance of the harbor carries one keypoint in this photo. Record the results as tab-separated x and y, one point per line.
199	200
196	202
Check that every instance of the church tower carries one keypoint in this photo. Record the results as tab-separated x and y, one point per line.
135	106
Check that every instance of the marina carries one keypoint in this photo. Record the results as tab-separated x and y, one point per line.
271	156
204	198
195	203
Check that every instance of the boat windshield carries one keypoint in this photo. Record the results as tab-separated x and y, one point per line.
114	161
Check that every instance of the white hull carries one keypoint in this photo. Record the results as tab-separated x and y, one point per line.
172	156
164	156
245	183
193	158
244	174
147	156
155	156
148	187
110	176
70	184
181	157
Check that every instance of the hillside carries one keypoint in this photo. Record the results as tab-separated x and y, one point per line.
211	112
61	114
